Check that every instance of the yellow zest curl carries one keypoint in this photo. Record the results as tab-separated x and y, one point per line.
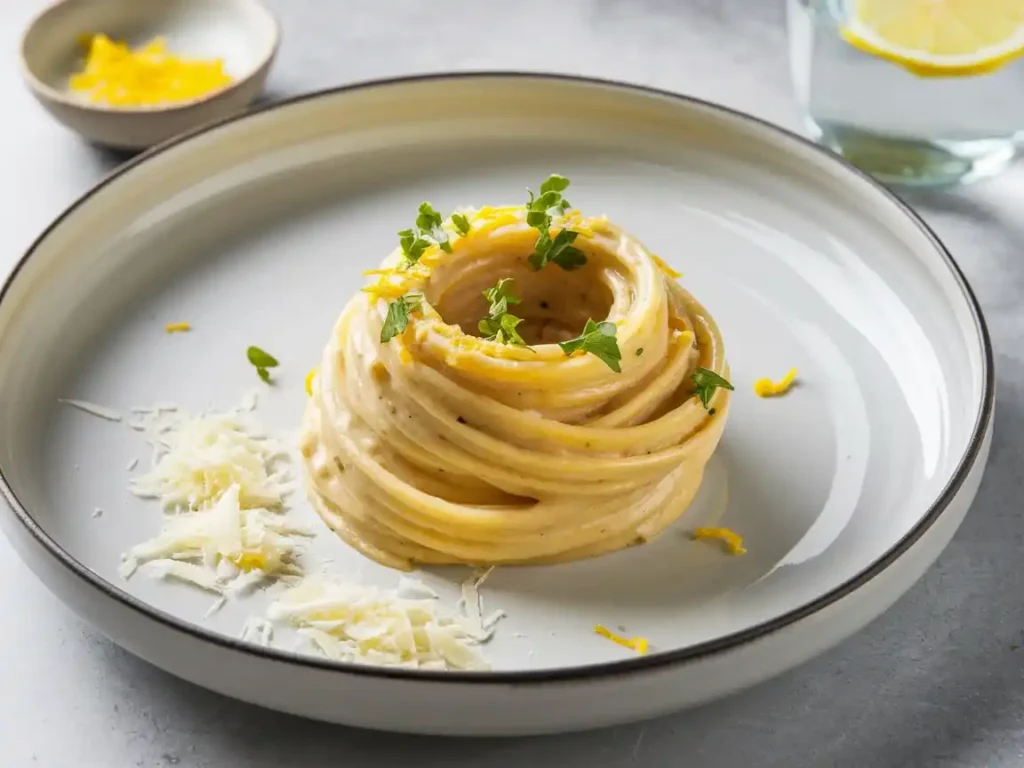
767	388
638	644
732	540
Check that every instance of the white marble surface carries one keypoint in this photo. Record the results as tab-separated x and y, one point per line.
938	681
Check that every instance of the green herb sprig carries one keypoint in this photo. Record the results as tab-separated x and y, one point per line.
461	224
558	249
427	232
397	318
707	382
262	360
599	340
499	325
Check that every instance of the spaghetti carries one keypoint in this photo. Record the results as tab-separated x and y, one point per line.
438	446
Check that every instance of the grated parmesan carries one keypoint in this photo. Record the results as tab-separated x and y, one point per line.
197	460
478	626
92	409
224	549
259	631
390	627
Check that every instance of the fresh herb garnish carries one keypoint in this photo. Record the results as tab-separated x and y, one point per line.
397	318
412	244
461	223
428	231
707	382
499	325
501	296
262	360
558	249
599	340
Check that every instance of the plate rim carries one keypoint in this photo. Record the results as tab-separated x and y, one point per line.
603	670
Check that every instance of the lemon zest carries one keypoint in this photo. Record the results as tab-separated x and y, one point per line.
664	267
638	644
732	540
768	388
577	222
309	381
116	75
177	327
250	561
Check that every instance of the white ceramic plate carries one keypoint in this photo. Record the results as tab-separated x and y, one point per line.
255	231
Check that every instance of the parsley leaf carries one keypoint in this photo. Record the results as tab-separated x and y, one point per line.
262	361
413	245
560	248
428	232
555	183
502	329
599	340
564	253
501	296
461	223
397	319
429	224
500	326
707	382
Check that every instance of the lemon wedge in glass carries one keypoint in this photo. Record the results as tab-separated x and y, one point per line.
938	38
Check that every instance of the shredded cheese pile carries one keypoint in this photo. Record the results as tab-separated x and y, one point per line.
732	540
198	460
223	549
768	388
114	74
368	625
638	644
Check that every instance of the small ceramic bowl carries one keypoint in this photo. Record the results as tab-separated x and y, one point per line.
243	33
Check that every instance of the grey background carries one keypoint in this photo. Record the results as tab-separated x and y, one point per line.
936	682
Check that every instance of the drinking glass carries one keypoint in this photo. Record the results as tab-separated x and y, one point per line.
899	125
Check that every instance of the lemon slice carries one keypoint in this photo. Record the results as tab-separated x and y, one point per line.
939	38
